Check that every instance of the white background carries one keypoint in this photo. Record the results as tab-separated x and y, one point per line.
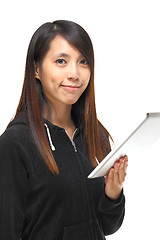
126	40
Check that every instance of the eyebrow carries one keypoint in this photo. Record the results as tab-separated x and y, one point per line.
62	55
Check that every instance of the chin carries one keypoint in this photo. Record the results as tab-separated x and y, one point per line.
71	101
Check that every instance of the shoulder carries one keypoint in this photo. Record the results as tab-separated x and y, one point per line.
14	144
17	132
15	135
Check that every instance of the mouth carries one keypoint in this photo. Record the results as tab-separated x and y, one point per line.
70	87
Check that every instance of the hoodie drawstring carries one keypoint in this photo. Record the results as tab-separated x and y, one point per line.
49	137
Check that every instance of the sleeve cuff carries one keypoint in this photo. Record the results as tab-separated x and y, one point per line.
117	200
106	204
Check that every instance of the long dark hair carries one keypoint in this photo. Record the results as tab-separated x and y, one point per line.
32	97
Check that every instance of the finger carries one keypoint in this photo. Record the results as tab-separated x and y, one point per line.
116	172
122	173
125	167
116	164
124	160
111	175
123	170
121	159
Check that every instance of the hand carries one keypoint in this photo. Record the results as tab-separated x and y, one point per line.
116	177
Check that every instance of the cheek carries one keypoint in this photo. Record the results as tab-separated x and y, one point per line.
86	79
51	78
57	75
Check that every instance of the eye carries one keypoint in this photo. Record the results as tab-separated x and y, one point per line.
84	62
60	61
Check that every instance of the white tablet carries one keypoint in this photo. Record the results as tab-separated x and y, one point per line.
137	142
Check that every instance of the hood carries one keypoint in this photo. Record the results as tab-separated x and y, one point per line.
21	119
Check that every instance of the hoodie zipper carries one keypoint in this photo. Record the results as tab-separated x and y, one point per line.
73	143
75	149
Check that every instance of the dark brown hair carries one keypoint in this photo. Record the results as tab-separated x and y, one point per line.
32	97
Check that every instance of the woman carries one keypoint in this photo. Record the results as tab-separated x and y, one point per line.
54	141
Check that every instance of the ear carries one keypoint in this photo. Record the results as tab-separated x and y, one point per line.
36	70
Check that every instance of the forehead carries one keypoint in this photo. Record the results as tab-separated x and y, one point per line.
60	45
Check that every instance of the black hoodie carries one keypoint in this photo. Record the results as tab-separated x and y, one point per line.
35	204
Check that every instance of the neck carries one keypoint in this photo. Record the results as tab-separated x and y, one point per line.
60	115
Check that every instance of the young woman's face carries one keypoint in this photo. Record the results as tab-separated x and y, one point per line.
64	73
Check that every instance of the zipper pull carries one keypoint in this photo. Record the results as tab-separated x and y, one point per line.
74	145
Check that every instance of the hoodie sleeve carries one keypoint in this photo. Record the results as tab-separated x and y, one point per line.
112	213
13	188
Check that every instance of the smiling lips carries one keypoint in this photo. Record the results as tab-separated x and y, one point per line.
70	88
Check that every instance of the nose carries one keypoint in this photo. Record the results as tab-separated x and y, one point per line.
72	73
